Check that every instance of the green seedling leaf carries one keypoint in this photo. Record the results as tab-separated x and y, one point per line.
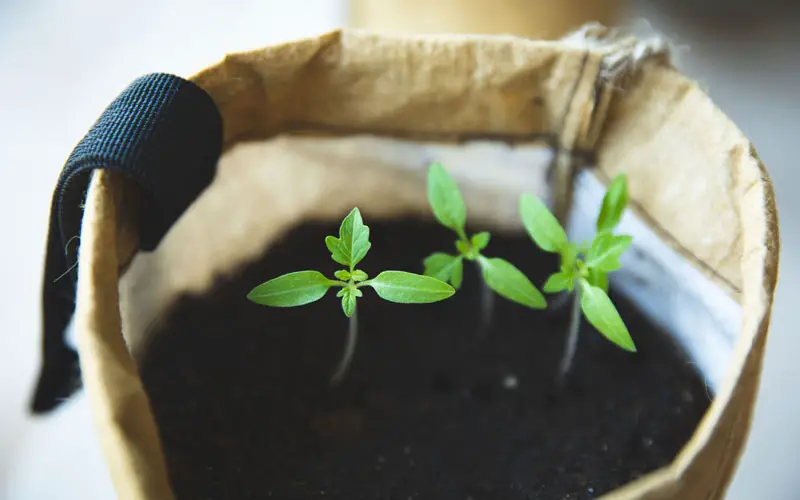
293	289
342	274
409	288
541	224
598	248
614	203
511	283
620	243
462	247
480	240
445	267
606	250
601	313
557	282
359	275
349	296
353	243
445	199
599	279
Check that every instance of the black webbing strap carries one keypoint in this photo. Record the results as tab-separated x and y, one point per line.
165	134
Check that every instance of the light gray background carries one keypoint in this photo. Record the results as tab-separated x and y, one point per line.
63	61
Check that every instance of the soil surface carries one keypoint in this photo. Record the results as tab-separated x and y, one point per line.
432	407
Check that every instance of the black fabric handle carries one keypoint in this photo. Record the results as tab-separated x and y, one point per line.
165	134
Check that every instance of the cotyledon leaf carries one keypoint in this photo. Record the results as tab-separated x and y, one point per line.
409	288
293	289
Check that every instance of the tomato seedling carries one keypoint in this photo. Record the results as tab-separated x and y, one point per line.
584	268
303	287
498	274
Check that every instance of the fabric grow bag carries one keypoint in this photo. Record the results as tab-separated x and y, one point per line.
314	127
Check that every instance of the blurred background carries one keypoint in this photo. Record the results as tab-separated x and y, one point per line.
63	61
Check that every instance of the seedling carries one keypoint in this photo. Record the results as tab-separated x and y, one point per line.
584	268
498	274
303	287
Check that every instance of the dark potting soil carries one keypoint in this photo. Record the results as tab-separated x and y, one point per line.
432	407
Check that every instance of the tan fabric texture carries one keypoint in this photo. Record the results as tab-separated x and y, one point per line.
120	406
597	97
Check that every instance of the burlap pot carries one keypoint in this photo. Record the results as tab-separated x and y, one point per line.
301	119
541	20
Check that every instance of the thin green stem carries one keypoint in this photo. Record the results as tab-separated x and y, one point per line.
463	235
572	337
487	300
349	349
